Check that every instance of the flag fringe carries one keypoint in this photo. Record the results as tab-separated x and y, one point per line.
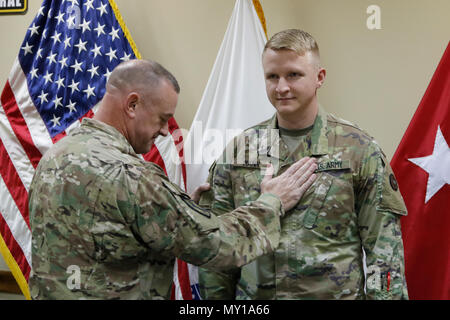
125	30
15	270
260	12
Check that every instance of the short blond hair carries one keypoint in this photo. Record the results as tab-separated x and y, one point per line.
293	39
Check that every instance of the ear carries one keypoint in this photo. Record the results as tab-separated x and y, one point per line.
130	104
321	77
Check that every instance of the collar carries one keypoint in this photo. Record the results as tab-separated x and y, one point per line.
319	139
102	129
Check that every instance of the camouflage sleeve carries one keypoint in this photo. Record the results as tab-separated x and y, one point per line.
380	207
169	222
218	285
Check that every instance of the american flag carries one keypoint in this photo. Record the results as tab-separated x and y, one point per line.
58	78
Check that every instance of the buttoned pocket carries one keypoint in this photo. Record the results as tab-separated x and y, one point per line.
318	201
330	205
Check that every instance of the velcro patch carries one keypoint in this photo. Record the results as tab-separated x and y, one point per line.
178	193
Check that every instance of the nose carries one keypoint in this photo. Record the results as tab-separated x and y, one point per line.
282	86
164	131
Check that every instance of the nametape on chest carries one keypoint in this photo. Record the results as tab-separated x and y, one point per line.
333	165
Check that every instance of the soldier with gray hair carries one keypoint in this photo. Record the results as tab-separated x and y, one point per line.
108	225
353	207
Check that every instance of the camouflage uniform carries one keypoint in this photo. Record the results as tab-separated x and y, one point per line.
354	204
96	207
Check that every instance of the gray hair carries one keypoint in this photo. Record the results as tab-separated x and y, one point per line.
141	72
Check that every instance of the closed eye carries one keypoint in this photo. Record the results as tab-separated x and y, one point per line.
294	75
271	76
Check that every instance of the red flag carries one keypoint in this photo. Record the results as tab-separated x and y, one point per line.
422	167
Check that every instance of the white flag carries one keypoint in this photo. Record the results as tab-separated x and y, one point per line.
235	96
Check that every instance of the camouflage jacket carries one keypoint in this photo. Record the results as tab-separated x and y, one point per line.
108	225
353	205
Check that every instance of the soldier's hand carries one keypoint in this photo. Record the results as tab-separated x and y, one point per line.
292	184
198	192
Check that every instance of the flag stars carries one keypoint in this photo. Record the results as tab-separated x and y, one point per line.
41	11
33	73
67	42
33	29
74	86
89	91
63	62
55	121
81	46
102	9
126	57
71	22
55	37
114	33
85	25
96	50
57	102
89	5
39	53
73	1
77	66
60	82
43	97
27	49
51	59
93	70
107	74
48	77
60	18
111	54
100	29
71	107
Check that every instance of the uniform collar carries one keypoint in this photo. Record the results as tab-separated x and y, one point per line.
319	139
117	139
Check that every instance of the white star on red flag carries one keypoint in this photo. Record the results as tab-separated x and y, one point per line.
436	165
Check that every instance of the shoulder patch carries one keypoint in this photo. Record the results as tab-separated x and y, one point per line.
389	197
393	182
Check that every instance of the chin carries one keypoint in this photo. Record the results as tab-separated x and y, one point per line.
287	109
143	150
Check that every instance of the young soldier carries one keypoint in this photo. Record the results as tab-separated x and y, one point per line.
353	206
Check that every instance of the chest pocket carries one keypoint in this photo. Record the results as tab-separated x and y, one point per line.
331	203
317	203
